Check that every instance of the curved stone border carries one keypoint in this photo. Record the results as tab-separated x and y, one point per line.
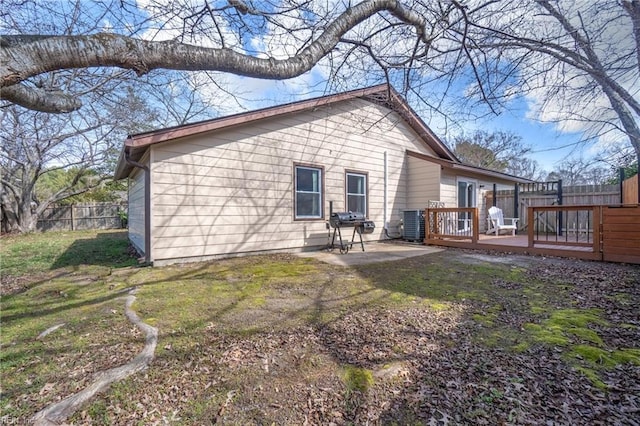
57	413
49	331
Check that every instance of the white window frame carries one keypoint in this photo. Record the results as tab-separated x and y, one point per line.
319	193
366	189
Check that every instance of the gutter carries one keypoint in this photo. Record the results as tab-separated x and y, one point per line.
147	204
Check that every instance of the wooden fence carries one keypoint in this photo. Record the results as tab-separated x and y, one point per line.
82	216
581	195
630	190
621	233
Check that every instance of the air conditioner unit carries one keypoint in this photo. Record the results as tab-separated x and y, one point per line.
413	225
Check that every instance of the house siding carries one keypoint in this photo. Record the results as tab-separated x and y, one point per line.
423	183
231	191
136	210
448	189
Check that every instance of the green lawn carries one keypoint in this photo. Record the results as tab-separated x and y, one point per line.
284	340
43	252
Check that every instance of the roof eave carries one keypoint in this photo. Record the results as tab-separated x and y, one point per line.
136	145
124	168
456	165
157	136
421	127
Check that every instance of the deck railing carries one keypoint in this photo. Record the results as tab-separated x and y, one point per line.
595	232
451	224
567	226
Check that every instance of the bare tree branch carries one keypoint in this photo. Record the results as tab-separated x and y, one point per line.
563	56
633	9
39	99
20	61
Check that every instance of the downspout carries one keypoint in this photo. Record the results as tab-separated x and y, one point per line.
147	204
384	209
385	216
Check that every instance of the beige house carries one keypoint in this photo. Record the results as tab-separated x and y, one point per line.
264	180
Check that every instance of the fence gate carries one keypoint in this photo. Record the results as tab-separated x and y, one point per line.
621	234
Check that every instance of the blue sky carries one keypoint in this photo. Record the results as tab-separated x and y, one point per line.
550	146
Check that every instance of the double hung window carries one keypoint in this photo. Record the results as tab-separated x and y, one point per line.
356	186
308	192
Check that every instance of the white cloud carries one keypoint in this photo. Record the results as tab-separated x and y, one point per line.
562	94
186	21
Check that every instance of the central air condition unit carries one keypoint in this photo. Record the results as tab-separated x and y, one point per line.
413	225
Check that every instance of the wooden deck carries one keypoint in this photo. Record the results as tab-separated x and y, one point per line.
523	241
519	244
610	233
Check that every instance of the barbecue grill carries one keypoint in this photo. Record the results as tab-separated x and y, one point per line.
356	220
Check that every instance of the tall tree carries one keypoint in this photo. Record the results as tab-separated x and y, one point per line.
500	151
576	62
35	144
577	171
78	146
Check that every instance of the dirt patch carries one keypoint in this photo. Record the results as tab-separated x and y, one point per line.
12	285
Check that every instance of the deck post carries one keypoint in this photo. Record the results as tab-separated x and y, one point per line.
427	225
516	200
530	226
621	177
476	221
560	224
597	230
495	194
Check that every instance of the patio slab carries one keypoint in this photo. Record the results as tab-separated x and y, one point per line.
374	252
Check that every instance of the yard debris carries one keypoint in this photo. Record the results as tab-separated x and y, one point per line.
230	395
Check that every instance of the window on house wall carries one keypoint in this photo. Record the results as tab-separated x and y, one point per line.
357	192
308	192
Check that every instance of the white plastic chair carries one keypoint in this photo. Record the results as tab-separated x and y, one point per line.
496	222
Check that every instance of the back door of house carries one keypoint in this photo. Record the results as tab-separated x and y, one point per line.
466	198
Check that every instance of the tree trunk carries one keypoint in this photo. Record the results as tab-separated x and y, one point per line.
9	212
27	221
17	216
26	56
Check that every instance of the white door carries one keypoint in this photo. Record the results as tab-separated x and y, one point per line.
466	198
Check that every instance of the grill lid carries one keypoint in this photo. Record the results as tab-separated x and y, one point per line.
346	218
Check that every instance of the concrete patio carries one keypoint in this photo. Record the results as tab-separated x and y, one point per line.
374	252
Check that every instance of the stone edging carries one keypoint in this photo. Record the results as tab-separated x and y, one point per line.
59	412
